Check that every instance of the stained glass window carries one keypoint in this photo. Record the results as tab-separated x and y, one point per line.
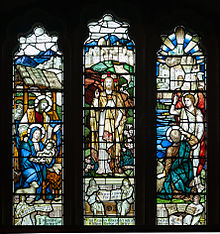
181	128
109	124
38	116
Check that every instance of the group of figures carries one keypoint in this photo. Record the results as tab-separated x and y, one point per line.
109	124
37	131
181	130
123	196
109	128
38	141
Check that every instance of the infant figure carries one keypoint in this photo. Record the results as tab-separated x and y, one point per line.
47	153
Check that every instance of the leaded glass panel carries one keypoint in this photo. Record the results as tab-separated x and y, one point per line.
109	124
38	130
181	130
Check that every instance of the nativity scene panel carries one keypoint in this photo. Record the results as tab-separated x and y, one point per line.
38	135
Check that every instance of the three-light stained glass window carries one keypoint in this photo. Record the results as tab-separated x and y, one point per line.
38	130
109	128
181	130
109	124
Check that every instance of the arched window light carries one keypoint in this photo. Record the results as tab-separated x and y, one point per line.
181	130
38	130
109	124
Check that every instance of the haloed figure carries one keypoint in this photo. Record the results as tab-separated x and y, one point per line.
93	200
41	113
191	121
127	197
107	124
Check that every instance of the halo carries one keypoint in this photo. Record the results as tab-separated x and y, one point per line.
39	98
51	141
169	130
106	75
194	95
36	125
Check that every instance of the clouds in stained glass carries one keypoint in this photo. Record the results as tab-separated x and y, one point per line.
181	130
109	115
38	130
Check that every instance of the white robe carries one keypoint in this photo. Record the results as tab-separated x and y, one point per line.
193	124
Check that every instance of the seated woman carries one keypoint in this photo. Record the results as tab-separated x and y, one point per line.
31	170
179	171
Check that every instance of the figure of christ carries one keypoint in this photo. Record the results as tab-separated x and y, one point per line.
183	87
191	121
47	154
199	102
107	125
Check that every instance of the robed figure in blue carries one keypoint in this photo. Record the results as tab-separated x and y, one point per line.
31	170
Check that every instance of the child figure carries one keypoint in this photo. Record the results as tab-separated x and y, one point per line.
47	154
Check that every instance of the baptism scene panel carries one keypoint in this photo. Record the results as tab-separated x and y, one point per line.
109	124
38	130
181	130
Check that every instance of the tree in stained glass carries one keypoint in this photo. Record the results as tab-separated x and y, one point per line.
108	115
181	130
38	130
